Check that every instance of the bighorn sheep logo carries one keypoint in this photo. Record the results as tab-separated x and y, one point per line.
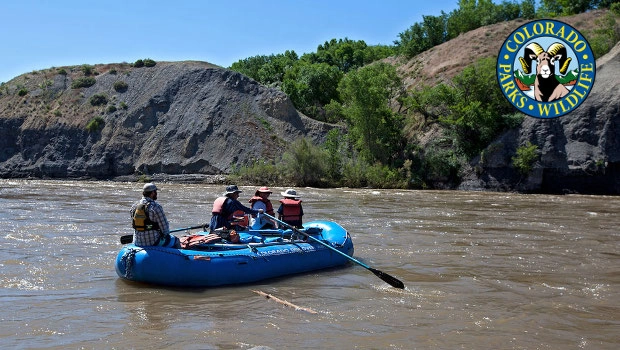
545	83
546	86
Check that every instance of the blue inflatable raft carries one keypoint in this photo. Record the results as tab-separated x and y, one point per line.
260	255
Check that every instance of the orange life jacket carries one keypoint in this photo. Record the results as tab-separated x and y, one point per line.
267	204
291	210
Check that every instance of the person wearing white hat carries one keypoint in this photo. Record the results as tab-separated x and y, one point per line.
224	208
290	211
149	221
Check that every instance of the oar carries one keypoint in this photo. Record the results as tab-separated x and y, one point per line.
129	238
394	282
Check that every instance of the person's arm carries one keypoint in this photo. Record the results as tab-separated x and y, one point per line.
160	218
238	206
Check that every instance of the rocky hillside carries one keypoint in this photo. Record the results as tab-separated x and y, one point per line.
579	152
174	118
182	118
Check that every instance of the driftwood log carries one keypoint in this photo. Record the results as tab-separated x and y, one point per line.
284	302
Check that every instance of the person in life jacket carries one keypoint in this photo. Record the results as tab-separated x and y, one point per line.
225	206
149	221
260	200
290	211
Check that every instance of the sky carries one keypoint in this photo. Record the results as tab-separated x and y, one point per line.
41	34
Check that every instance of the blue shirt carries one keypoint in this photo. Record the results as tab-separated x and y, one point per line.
230	206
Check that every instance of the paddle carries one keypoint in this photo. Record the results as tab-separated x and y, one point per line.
394	282
129	238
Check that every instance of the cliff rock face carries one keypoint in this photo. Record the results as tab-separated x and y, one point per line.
579	152
174	118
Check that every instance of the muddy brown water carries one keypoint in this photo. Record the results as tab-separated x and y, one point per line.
481	270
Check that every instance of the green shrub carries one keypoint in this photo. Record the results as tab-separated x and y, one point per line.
111	109
258	171
139	63
354	172
441	163
62	71
305	164
149	62
83	82
95	124
144	178
22	92
525	158
123	105
382	176
98	100
120	86
87	69
604	37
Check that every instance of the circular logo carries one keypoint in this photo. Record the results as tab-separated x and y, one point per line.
546	68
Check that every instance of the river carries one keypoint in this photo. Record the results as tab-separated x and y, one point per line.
482	271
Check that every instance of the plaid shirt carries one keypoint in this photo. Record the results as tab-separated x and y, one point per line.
156	214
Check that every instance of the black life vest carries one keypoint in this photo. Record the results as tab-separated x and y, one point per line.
141	220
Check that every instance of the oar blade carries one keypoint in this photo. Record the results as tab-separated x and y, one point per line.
392	281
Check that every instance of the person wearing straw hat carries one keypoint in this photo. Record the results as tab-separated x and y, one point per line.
225	206
261	201
290	210
150	225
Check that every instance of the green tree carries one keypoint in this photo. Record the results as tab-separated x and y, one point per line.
412	41
472	108
312	86
527	9
422	36
344	53
463	19
480	111
266	69
368	94
554	8
250	66
333	147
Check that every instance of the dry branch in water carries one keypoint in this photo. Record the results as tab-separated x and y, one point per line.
284	302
